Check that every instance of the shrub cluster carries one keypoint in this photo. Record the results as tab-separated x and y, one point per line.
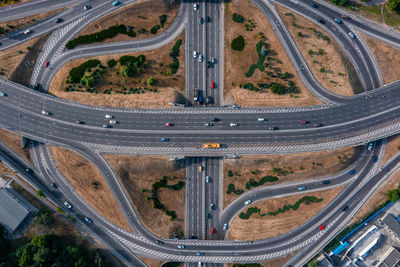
250	211
97	36
340	2
266	179
163	19
231	188
259	65
76	74
131	65
111	63
295	206
238	43
237	18
230	173
154	29
250	87
174	55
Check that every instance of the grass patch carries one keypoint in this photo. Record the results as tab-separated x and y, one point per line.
259	65
232	189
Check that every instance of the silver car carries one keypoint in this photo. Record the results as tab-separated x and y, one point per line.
201	58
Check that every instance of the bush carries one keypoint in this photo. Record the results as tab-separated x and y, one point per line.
151	81
39	193
238	43
44	217
59	210
111	63
394	5
231	188
260	63
237	18
263	180
250	211
97	36
163	19
295	206
76	74
230	173
340	2
175	54
154	29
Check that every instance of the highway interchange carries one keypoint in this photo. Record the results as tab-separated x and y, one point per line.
140	131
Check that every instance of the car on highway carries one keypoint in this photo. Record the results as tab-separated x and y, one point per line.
208	179
208	215
44	112
58	20
199	253
212	206
46	64
261	119
248	202
201	58
305	122
106	126
113	121
320	20
213	60
273	128
68	205
322	227
3	94
27	31
200	168
312	4
212	84
345	208
317	124
195	54
337	20
352	35
108	116
326	182
116	3
28	170
232	124
370	146
301	188
201	20
88	220
225	227
195	6
374	158
208	124
181	246
167	124
164	139
159	242
212	231
214	119
344	16
353	171
87	7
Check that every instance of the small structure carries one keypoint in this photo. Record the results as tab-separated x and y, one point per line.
390	258
392	224
14	209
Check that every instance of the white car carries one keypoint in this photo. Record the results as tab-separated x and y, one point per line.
233	124
181	246
195	7
352	35
27	31
88	220
208	124
248	202
225	227
370	146
68	205
261	119
213	60
194	54
44	112
201	58
113	121
208	179
108	116
86	7
3	94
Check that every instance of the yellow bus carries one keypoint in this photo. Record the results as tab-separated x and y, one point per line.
211	145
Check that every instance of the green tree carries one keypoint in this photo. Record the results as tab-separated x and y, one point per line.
88	80
238	43
393	195
39	193
127	71
151	81
394	5
111	63
44	217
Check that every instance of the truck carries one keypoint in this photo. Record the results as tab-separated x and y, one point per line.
210	145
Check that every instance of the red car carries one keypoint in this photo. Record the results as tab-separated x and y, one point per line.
212	230
168	124
212	84
305	122
322	227
46	64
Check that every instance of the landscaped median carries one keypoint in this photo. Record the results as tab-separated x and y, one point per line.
156	187
148	79
273	217
256	171
258	72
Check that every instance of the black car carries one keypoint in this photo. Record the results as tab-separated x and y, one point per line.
58	20
159	242
345	208
319	20
214	119
374	158
193	237
326	182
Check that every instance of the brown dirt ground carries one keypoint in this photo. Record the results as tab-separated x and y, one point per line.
143	14
169	90
151	262
378	198
392	148
140	172
331	60
237	63
5	170
326	163
269	226
10	58
77	170
14	25
10	3
273	263
14	141
388	58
